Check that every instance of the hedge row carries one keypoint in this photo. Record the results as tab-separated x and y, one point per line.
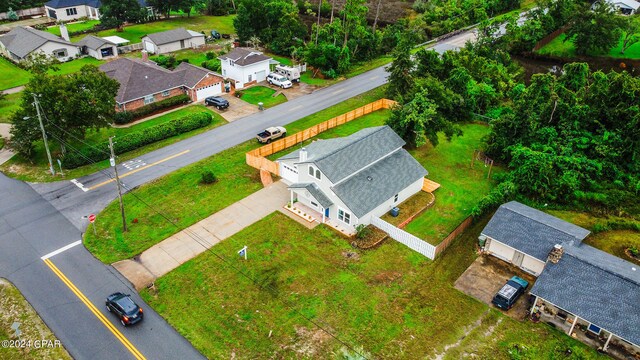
137	139
126	117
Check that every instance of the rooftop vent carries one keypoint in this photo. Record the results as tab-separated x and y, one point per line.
556	253
369	178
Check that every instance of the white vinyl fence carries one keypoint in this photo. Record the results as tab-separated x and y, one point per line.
413	242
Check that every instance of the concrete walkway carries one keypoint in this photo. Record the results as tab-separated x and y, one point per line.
13	90
5	153
189	243
152	116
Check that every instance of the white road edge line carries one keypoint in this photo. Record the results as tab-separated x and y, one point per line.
79	184
62	249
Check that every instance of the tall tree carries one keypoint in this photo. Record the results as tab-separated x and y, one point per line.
630	29
400	78
71	104
116	12
596	30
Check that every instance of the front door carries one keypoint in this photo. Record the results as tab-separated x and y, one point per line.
326	213
517	258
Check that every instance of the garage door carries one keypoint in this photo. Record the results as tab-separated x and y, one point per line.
211	90
288	173
149	47
261	75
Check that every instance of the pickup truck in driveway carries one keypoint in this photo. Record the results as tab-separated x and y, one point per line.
510	292
271	134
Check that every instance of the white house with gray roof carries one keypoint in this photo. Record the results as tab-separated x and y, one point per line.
349	180
245	66
98	48
523	236
172	40
23	41
585	285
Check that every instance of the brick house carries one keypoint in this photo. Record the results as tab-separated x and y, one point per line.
142	82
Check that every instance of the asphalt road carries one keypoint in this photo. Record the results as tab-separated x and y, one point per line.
36	219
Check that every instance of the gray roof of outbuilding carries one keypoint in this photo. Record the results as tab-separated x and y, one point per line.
315	191
94	42
169	36
531	231
22	40
138	78
379	182
244	56
59	4
598	287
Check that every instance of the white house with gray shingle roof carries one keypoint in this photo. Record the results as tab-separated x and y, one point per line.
349	180
172	40
245	66
23	41
98	48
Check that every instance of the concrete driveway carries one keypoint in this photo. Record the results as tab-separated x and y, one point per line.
237	108
486	276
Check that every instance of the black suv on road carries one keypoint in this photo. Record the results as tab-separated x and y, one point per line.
217	101
127	310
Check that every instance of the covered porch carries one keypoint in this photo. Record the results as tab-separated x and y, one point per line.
310	209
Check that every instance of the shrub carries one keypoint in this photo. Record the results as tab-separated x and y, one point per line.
213	65
210	55
125	117
208	177
362	231
634	251
137	139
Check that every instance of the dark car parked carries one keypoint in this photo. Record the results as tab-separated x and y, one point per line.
217	101
215	34
510	292
126	309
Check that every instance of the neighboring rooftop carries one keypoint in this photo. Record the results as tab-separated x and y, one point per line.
169	36
94	42
244	56
22	40
60	4
596	286
630	4
531	231
139	78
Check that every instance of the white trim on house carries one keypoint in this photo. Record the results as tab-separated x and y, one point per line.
510	261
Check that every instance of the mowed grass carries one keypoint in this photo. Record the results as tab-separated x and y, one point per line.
74	27
11	75
73	66
8	105
384	303
461	187
562	48
180	196
36	169
198	23
262	94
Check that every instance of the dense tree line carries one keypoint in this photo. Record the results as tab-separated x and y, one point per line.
5	5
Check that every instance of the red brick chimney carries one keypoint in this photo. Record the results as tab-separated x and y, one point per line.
145	56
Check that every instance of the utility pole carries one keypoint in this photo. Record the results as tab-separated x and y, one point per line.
115	168
44	134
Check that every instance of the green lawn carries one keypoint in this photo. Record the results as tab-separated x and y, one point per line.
1	143
236	181
387	303
75	65
134	33
11	75
263	94
195	56
74	27
461	187
8	105
22	169
559	47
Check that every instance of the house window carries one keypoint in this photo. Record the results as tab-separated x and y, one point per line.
395	198
181	44
310	170
249	79
72	11
314	204
344	216
60	53
165	93
148	99
318	174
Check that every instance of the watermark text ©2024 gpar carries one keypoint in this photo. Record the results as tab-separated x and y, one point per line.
37	344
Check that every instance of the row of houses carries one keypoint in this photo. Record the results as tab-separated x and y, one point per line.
69	10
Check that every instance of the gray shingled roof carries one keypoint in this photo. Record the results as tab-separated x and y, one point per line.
596	286
244	56
531	231
138	78
59	4
315	191
94	42
169	36
21	40
379	182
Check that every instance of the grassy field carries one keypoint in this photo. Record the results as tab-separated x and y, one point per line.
23	169
134	33
236	181
263	94
559	47
74	27
386	303
14	307
11	75
461	187
75	65
8	105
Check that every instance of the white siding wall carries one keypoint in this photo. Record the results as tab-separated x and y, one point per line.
49	47
148	45
98	54
504	252
82	11
532	265
389	204
241	73
194	42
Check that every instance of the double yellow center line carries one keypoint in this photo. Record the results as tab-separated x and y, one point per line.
137	354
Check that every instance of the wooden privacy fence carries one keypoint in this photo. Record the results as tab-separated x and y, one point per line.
454	234
256	158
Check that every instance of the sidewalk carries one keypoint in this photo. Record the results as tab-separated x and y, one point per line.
189	243
5	153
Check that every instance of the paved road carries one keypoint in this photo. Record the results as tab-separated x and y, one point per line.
30	228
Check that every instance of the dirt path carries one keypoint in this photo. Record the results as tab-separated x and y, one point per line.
467	331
